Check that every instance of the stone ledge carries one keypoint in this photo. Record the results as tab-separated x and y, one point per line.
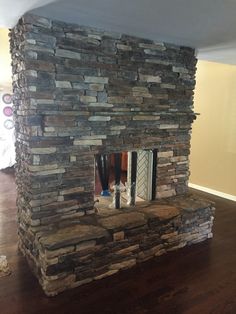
72	235
123	221
187	203
98	227
99	246
162	212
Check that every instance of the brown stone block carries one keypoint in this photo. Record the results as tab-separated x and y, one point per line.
54	287
73	234
59	205
118	236
147	254
162	212
106	274
60	121
123	221
128	250
73	190
123	265
39	65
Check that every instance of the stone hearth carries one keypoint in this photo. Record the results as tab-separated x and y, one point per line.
102	245
80	92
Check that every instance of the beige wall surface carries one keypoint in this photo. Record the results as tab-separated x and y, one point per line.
213	145
5	59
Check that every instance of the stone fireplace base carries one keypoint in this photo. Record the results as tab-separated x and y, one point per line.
100	245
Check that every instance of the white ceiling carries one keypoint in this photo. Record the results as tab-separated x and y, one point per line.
207	25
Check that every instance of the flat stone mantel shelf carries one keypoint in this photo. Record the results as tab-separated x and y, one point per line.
102	226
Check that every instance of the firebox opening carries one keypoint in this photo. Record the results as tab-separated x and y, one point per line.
124	179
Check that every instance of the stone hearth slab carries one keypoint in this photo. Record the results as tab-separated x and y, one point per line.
100	246
123	221
162	212
188	202
72	235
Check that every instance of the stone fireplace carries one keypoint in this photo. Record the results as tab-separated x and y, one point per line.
81	92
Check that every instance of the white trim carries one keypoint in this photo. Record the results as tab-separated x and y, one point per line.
214	192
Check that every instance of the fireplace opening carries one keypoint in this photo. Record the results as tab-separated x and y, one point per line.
125	178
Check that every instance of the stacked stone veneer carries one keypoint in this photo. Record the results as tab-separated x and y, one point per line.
78	92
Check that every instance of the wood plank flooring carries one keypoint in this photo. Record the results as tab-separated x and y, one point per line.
200	279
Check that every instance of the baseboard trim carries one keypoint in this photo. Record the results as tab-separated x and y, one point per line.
214	192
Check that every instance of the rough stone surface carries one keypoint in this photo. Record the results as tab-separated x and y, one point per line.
79	91
123	221
95	252
160	211
71	235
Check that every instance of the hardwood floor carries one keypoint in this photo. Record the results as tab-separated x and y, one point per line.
197	279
